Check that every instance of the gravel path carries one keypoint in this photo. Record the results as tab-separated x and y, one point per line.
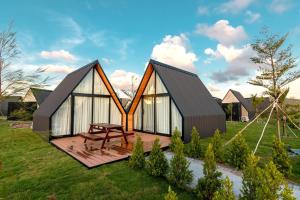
235	176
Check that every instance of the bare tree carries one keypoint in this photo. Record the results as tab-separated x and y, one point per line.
276	66
14	81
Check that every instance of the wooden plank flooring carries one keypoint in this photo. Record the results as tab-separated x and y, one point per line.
114	150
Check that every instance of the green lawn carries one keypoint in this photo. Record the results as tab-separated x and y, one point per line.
33	169
252	134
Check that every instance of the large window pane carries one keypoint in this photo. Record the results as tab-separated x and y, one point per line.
138	117
101	110
86	85
148	117
82	114
115	114
61	120
176	118
160	88
150	88
99	87
162	115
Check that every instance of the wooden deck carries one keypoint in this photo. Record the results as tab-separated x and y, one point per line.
114	150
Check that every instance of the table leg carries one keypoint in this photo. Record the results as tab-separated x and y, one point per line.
106	136
125	137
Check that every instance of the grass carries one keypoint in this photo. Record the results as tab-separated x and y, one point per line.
252	134
31	168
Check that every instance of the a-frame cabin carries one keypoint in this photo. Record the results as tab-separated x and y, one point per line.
169	97
83	97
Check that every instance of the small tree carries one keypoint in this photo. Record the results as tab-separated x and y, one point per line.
211	182
228	110
238	152
250	181
194	147
217	146
280	157
272	184
256	102
157	164
226	191
179	173
171	195
176	134
137	159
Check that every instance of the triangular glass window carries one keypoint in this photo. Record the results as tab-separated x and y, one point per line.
99	86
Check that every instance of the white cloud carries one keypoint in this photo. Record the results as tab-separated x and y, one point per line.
107	61
53	68
57	55
223	32
202	10
123	80
280	6
174	50
235	6
294	89
252	16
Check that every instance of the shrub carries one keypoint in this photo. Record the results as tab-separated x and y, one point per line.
171	195
280	157
194	147
21	114
218	146
250	181
211	182
179	173
176	134
137	159
157	164
238	152
226	192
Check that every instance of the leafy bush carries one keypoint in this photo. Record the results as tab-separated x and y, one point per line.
176	134
211	182
226	192
194	147
21	114
171	195
179	173
137	159
157	164
238	152
281	158
218	146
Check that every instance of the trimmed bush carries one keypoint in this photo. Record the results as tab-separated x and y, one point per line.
238	152
226	192
281	158
194	147
137	159
176	134
179	173
171	195
157	164
218	146
211	182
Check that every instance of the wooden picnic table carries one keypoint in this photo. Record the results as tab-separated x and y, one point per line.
105	128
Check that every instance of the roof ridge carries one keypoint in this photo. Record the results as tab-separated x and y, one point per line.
172	67
87	65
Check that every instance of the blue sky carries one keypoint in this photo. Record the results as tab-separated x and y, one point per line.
210	38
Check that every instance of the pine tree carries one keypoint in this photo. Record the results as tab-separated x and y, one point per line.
194	147
217	146
280	157
137	159
171	195
211	182
157	164
179	173
250	181
176	134
271	183
238	152
226	191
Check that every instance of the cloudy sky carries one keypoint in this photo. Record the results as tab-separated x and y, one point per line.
210	38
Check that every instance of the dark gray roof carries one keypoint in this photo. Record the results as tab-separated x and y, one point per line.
40	94
63	90
247	104
187	90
